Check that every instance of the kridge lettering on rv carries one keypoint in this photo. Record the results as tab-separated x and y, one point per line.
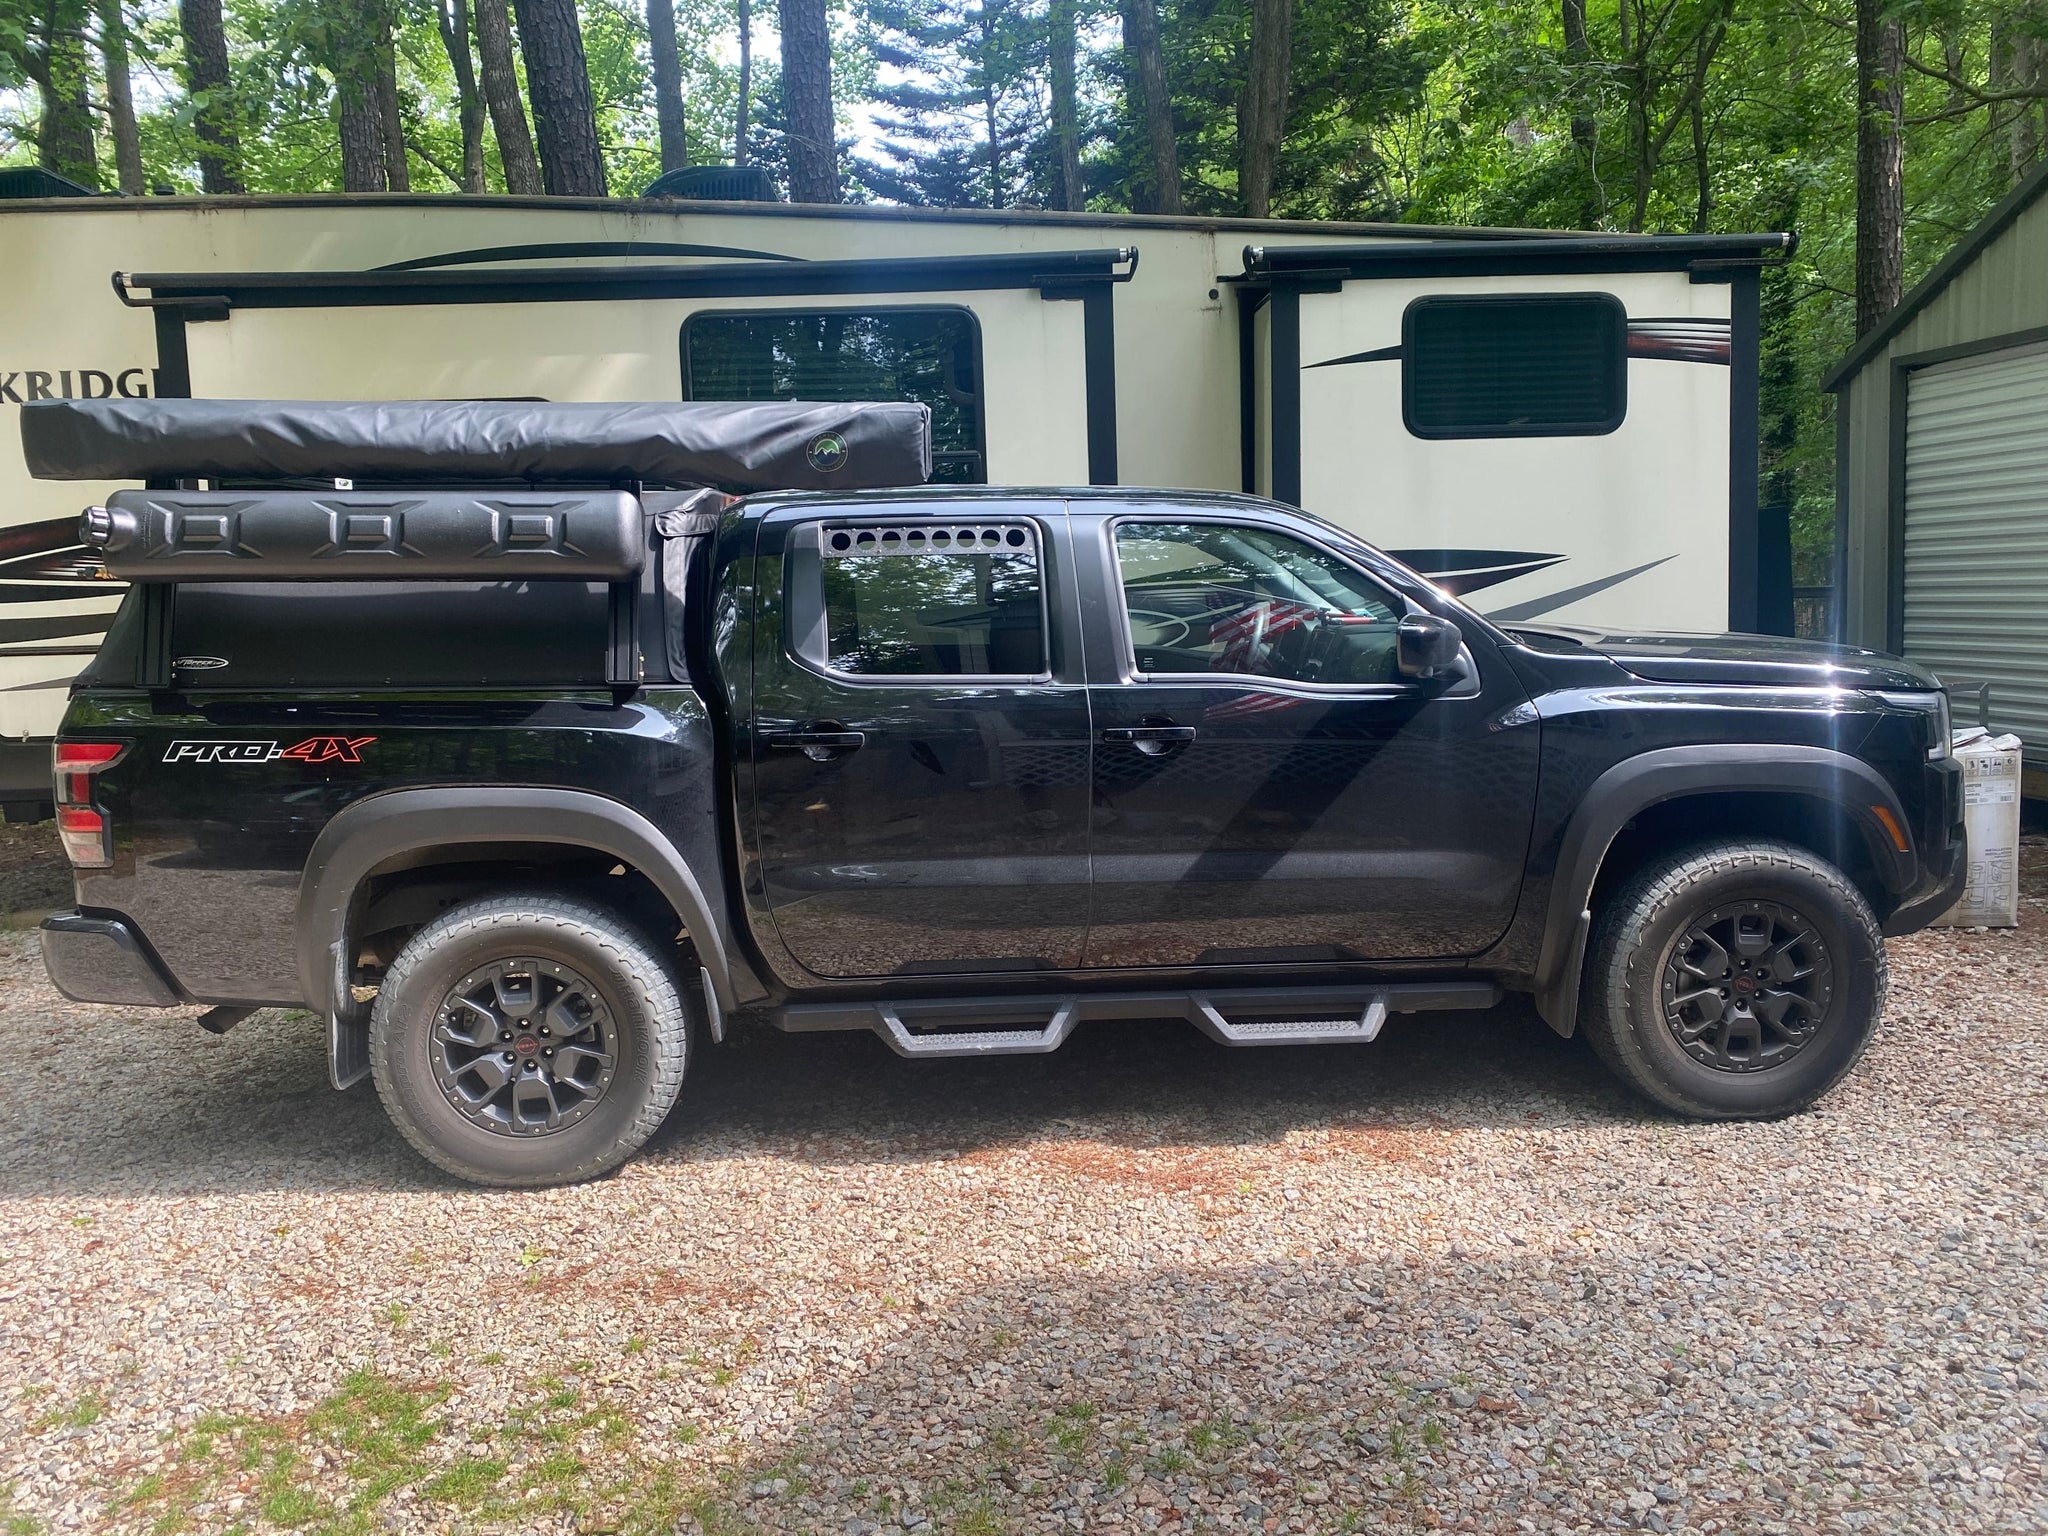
314	749
19	386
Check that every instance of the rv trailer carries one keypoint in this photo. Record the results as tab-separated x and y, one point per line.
1552	426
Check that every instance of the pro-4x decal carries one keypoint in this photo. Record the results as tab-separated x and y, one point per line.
314	749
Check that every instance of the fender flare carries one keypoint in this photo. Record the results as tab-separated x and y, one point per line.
1634	785
380	827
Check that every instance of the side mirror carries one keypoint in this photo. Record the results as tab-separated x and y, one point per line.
1426	647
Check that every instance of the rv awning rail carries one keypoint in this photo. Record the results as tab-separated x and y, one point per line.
1056	273
1571	253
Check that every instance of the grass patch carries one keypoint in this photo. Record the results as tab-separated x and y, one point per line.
468	1483
90	1408
559	1453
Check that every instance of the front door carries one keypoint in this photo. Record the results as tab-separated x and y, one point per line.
1268	788
920	741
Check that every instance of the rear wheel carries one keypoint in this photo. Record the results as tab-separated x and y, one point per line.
1736	980
528	1040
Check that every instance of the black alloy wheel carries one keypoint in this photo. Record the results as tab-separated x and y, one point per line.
524	1046
1747	986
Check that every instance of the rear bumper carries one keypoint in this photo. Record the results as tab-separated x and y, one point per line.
104	960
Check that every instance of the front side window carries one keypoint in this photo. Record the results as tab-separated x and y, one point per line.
1514	365
931	356
1216	597
933	600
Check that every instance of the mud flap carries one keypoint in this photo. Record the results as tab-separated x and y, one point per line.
348	1049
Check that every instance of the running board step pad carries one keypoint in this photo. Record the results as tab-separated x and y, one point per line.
1023	1026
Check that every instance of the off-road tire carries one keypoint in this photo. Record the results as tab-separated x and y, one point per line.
650	1013
1635	938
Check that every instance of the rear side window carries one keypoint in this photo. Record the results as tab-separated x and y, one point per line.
933	600
354	634
1514	365
932	356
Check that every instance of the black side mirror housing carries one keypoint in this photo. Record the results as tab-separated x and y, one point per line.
1427	647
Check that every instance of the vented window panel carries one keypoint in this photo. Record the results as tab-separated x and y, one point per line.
1514	365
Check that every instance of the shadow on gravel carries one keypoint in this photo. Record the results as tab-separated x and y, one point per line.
152	1106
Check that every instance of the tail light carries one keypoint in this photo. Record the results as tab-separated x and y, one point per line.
87	835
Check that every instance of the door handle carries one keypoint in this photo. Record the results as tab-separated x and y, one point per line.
1152	740
820	746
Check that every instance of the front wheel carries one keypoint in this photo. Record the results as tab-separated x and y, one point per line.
527	1040
1734	980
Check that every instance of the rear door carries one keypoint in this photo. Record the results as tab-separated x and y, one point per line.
921	743
1269	789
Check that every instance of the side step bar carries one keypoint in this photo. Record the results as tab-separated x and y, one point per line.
1025	1026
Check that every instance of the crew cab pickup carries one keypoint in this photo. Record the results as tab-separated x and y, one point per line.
531	780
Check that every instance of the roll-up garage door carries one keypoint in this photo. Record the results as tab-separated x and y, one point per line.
1976	548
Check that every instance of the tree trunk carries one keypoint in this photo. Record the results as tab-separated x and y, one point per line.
64	137
397	174
1880	162
558	85
1066	117
739	125
1585	127
120	98
807	102
363	167
668	83
1262	110
1146	80
2019	62
499	68
453	16
207	82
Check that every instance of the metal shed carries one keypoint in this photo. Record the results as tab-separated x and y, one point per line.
1941	492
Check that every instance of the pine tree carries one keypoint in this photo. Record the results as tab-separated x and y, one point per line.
959	113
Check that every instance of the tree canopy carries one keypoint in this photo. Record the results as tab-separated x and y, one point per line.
1881	126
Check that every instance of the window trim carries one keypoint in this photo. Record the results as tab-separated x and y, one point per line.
803	603
1588	298
1127	659
758	312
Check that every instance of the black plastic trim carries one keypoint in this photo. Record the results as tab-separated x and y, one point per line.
1284	384
104	960
1745	344
1670	773
381	827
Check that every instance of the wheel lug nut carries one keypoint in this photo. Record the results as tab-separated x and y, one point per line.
508	1056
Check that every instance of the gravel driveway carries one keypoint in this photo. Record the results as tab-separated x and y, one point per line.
1455	1279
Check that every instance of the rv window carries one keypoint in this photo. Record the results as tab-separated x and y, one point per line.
418	634
1514	365
1210	597
928	355
972	608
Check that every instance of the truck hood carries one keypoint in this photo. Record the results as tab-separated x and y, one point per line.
1766	660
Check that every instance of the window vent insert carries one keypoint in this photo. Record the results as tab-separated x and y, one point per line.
943	539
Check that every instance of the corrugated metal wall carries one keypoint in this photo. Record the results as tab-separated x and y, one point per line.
2003	291
1976	532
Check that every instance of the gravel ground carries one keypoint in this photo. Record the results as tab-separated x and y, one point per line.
1454	1280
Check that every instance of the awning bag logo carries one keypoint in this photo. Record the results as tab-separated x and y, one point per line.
827	452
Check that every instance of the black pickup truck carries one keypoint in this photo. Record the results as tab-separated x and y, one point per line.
530	777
